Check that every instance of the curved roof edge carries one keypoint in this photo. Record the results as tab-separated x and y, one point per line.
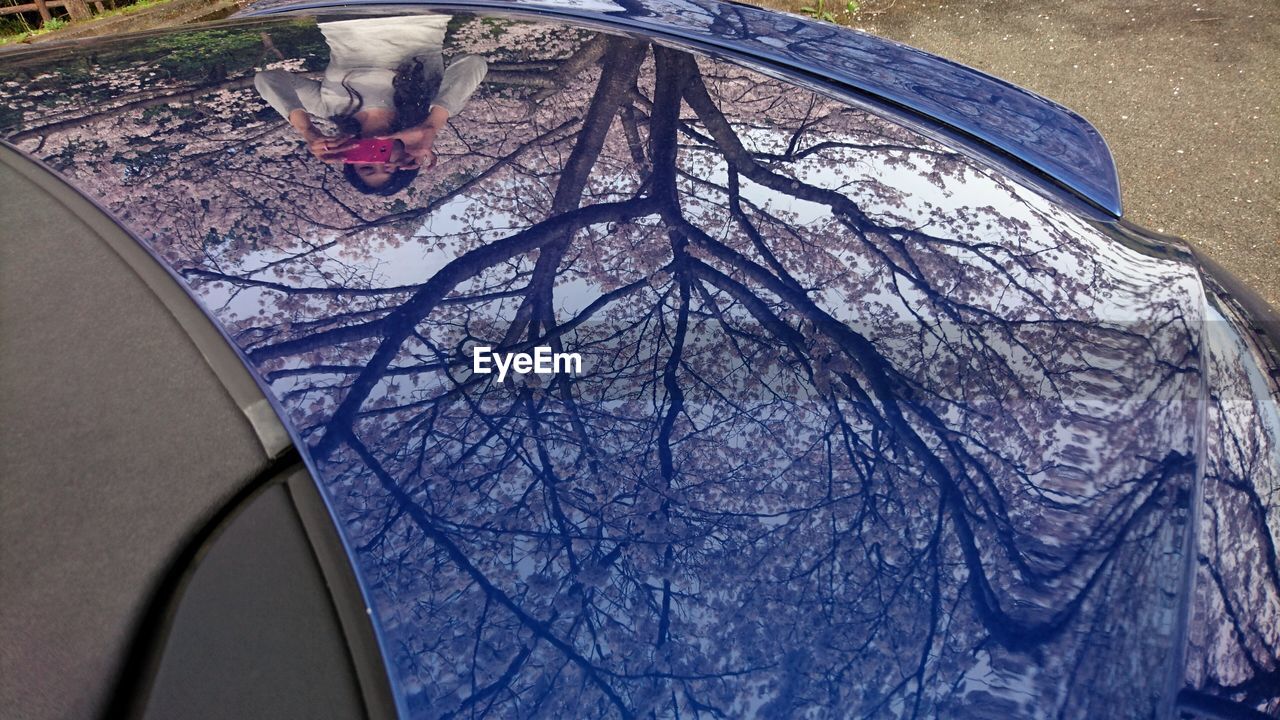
1033	130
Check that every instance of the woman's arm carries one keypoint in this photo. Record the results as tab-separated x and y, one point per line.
300	120
460	80
297	99
286	92
328	149
419	139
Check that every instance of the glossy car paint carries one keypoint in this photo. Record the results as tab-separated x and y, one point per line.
867	426
942	97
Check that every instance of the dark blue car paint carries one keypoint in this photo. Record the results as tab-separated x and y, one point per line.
936	94
1185	462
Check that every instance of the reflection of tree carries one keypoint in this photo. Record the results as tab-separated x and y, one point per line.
1235	633
848	442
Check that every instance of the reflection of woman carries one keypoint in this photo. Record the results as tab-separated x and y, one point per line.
386	78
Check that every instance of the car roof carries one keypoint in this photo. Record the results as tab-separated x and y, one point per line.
1033	134
856	406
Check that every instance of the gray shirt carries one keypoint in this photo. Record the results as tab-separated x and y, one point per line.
364	56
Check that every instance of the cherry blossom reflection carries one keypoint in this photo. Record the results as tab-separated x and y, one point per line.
865	428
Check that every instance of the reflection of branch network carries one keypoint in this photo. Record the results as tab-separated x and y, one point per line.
826	361
387	90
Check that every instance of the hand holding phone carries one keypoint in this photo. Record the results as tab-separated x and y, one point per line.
371	150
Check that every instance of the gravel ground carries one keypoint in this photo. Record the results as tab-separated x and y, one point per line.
1187	94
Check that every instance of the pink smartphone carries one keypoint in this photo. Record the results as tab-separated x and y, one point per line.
368	151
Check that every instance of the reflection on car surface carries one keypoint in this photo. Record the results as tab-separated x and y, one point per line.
865	425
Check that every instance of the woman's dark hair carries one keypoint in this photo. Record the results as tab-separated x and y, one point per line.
412	98
398	181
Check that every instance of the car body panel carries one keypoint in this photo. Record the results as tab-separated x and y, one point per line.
865	423
944	96
1233	624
